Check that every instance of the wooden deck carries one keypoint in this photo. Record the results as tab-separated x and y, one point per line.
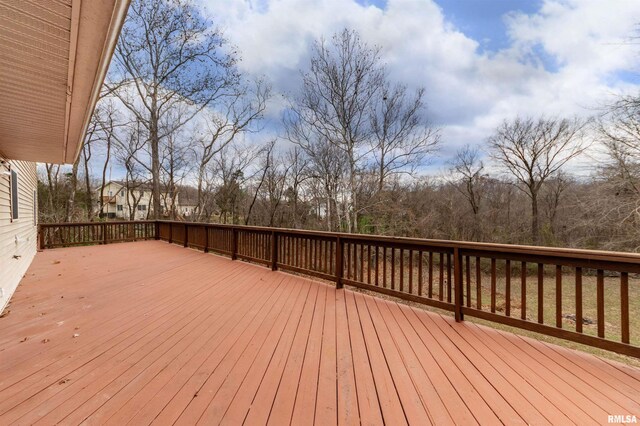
149	332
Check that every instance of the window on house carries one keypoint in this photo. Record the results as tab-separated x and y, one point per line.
142	208
122	192
119	207
110	193
14	194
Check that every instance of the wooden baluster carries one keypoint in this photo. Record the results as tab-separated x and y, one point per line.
384	266
441	278
377	265
348	247
449	283
459	297
478	284
361	262
600	302
205	232
468	276
540	293
579	299
420	279
401	270
493	285
186	235
369	264
430	293
410	271
339	264
559	296
624	306
507	289
274	251
523	291
393	268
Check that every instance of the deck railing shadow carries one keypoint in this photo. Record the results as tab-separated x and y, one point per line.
585	296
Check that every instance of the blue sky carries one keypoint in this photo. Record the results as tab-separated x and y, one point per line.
483	20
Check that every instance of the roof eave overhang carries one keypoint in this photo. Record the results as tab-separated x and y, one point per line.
94	38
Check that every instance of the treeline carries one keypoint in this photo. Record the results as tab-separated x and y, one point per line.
349	152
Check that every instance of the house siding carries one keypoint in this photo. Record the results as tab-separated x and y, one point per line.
18	237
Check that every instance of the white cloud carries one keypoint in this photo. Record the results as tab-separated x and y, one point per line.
468	92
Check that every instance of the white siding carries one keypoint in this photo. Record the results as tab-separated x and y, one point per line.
18	237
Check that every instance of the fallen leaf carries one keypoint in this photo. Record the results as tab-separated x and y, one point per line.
45	340
76	335
24	340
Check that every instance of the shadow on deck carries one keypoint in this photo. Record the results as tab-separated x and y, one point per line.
150	332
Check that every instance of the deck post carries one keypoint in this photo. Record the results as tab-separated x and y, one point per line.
206	238
457	278
339	264
104	233
186	235
274	250
157	229
170	232
234	244
40	237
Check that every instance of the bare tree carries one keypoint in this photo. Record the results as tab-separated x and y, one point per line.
402	136
108	122
233	117
169	55
556	187
265	167
86	160
336	98
533	150
468	171
619	126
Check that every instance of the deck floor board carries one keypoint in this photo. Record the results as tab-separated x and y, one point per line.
166	335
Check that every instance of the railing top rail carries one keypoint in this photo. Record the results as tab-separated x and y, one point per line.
111	222
487	248
611	256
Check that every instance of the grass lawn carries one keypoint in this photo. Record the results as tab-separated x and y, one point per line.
612	311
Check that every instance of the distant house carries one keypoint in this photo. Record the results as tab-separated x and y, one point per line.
118	202
135	203
186	202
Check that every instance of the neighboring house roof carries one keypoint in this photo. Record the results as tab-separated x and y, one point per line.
187	195
133	186
55	56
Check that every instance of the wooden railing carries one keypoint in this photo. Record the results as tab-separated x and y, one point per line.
73	234
589	297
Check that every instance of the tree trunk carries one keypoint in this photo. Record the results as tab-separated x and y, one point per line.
73	183
535	225
155	163
87	181
104	175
